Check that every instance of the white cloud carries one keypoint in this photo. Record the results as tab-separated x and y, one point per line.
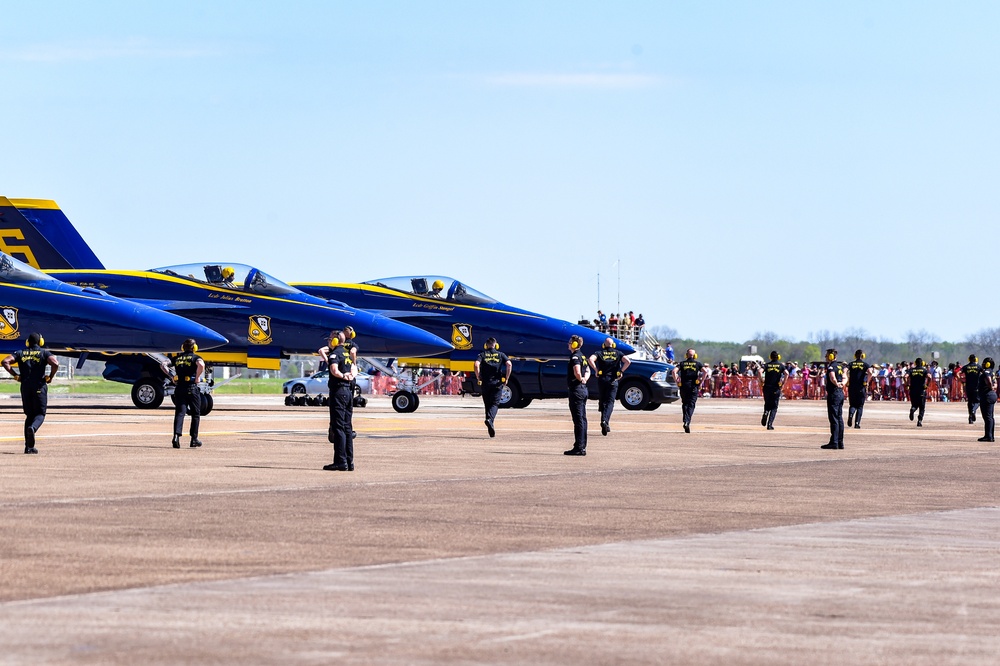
593	81
88	51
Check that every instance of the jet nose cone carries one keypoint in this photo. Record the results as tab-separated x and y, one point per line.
389	337
167	331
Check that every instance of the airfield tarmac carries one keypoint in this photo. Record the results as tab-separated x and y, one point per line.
729	545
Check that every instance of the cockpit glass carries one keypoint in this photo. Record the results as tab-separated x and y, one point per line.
238	277
13	271
435	286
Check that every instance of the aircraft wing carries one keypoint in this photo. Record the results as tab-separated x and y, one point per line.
174	306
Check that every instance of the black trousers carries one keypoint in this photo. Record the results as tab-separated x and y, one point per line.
34	402
578	408
973	404
835	412
771	397
607	393
856	400
187	400
918	401
689	396
988	403
340	425
491	400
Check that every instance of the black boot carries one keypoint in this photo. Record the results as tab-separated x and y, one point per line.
176	441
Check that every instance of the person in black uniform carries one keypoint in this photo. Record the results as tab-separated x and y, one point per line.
916	382
577	375
858	374
338	358
971	372
186	375
988	397
31	363
688	375
834	400
608	364
492	372
773	376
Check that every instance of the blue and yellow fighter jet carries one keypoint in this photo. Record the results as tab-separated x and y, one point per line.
467	318
264	319
79	321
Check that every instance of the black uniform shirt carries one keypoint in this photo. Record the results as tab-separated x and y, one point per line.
609	364
971	372
689	371
186	367
576	359
985	384
31	364
857	373
492	366
918	380
773	371
339	358
837	368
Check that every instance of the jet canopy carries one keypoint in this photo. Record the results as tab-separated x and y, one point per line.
13	271
238	277
435	286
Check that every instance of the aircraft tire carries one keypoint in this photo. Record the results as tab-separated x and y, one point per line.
207	403
510	395
404	402
147	393
634	395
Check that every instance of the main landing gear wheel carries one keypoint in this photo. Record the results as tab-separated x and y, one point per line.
147	393
207	404
405	402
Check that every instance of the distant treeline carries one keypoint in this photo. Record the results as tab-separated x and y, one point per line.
922	344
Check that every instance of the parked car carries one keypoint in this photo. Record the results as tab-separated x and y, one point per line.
644	385
319	383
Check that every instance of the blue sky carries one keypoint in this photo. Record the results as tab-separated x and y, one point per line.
756	166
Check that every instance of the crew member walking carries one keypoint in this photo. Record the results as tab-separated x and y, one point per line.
773	375
577	375
971	372
834	400
186	375
988	396
916	382
688	375
858	374
492	372
31	363
338	358
608	364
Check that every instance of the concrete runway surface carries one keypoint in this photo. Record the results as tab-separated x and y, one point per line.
731	545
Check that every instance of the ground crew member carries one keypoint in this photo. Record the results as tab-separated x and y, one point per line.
608	364
688	375
31	364
834	400
916	382
971	372
773	376
492	372
858	374
338	357
577	375
186	375
988	396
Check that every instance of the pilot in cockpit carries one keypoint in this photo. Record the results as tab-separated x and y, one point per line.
436	289
227	277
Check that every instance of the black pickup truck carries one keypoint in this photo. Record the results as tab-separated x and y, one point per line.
644	385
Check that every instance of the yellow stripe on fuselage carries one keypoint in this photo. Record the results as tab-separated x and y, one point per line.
385	291
454	366
163	277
